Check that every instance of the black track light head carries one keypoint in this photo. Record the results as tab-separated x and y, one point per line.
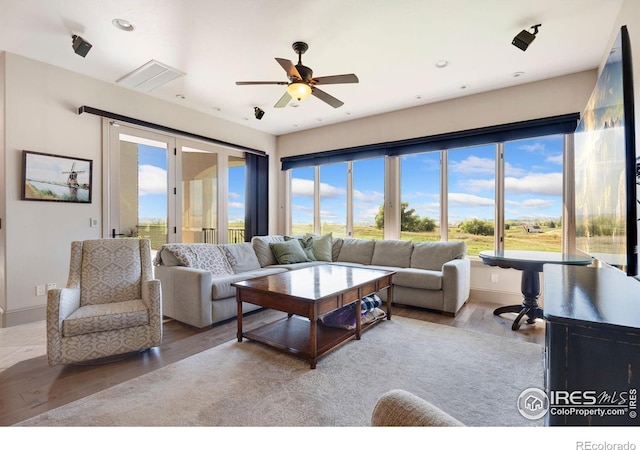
80	46
525	38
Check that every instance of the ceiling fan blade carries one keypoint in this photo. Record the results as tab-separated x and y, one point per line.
336	79
284	101
244	83
331	100
290	68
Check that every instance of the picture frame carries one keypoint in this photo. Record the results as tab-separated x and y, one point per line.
55	178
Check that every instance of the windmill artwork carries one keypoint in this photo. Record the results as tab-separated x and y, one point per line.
55	178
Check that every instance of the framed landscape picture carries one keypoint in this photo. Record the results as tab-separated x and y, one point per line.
55	178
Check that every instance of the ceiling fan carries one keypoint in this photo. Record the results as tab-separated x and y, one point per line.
301	83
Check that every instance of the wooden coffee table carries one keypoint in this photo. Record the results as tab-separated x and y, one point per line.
306	294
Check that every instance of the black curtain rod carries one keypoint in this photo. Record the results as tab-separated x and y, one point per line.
155	126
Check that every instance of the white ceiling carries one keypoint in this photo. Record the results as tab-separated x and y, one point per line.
391	45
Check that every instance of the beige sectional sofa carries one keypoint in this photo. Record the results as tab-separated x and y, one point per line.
196	278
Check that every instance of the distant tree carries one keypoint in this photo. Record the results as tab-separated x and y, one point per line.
409	220
477	226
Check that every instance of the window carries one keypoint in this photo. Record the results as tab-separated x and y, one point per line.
368	198
302	200
471	196
533	194
499	187
236	199
420	197
333	199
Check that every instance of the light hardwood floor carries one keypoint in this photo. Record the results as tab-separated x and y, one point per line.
30	387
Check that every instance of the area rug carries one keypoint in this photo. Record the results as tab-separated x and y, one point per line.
476	378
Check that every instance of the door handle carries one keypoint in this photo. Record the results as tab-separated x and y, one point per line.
114	234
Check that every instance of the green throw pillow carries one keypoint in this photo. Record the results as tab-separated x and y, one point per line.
322	246
307	246
288	252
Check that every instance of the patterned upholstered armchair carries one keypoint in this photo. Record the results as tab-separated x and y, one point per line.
111	305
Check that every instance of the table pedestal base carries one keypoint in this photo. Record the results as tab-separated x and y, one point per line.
530	287
532	312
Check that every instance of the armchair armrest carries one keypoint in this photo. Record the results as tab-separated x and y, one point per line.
152	297
60	304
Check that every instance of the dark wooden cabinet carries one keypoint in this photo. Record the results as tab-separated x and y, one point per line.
592	346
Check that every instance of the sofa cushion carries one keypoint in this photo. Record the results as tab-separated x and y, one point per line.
336	246
392	253
263	251
221	286
209	257
418	279
307	246
356	250
241	257
433	255
288	252
322	246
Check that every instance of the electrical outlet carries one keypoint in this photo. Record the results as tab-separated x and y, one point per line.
494	277
50	286
93	222
40	289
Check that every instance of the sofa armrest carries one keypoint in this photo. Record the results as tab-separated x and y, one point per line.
456	284
186	294
399	408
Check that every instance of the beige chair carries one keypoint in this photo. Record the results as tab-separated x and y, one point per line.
399	408
111	305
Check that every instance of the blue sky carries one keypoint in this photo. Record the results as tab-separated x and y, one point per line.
533	184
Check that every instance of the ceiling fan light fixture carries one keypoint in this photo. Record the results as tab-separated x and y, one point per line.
299	90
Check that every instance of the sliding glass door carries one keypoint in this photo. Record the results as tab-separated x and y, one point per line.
170	189
139	197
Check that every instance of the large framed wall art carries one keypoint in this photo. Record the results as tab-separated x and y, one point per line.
55	178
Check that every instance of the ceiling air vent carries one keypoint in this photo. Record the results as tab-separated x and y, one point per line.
149	76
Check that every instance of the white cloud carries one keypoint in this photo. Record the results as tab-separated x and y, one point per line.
304	188
557	159
461	199
535	147
474	165
532	203
234	195
369	196
151	180
301	187
535	183
236	205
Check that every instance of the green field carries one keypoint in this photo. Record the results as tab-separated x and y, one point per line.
515	237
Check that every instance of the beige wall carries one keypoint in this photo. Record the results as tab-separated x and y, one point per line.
40	108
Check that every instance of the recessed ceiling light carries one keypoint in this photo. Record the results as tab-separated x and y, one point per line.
464	86
418	97
517	74
215	108
122	24
180	96
441	63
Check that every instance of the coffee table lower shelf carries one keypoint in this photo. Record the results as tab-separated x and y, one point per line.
291	335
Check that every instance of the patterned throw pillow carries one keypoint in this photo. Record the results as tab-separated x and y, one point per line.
201	256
